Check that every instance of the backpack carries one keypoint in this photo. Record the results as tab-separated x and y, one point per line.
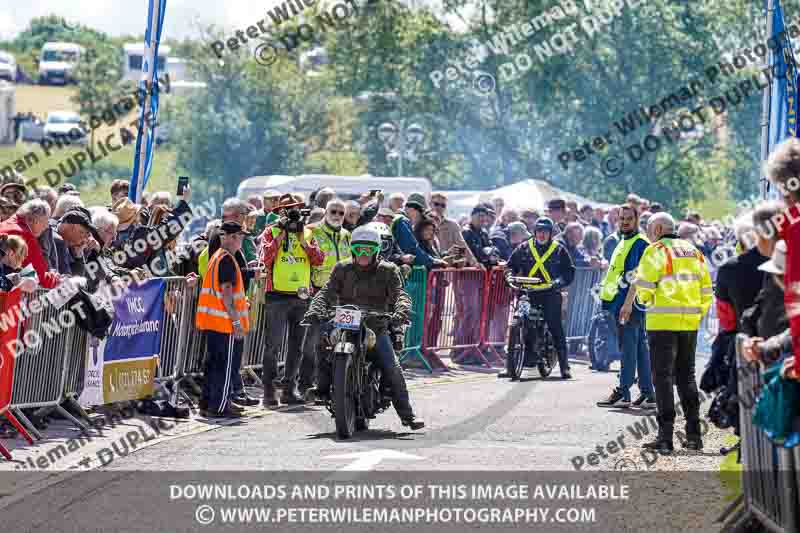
94	317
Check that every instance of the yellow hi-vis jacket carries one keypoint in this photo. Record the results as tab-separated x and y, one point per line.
335	245
292	267
538	266
674	285
211	312
610	285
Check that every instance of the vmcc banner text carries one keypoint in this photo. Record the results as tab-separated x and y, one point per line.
126	358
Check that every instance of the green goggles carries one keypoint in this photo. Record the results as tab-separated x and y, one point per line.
364	249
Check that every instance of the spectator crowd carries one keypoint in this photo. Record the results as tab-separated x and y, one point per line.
54	234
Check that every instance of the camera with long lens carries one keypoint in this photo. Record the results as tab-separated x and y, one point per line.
295	220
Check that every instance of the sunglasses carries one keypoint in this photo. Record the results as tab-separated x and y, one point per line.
438	204
338	213
361	250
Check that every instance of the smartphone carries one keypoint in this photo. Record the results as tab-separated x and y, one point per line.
183	181
375	192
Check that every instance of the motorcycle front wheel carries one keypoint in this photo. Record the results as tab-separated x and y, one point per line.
516	352
344	403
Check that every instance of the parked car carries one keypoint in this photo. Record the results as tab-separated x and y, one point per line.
8	67
57	62
31	129
66	126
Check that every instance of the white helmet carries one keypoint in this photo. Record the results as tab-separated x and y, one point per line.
366	234
385	233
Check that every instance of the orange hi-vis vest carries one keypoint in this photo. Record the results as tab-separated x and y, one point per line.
211	313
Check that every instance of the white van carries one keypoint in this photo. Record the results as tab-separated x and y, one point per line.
133	58
57	62
346	187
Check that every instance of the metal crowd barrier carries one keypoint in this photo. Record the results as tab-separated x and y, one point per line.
770	477
497	315
416	287
454	306
708	330
581	305
176	329
48	362
468	311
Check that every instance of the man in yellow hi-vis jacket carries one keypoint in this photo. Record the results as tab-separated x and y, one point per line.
674	285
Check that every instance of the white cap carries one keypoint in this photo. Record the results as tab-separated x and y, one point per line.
776	265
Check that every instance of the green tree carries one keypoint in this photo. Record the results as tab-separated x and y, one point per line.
232	129
98	73
42	30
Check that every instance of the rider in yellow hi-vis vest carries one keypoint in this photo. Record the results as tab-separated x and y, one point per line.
674	284
538	267
289	252
547	259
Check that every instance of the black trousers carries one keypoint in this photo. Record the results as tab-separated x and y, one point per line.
224	360
672	359
283	312
311	362
551	303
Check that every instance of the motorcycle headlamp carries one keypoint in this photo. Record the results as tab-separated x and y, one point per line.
334	336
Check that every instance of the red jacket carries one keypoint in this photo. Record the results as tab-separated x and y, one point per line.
16	226
790	232
269	252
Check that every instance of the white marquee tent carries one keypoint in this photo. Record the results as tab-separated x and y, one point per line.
528	193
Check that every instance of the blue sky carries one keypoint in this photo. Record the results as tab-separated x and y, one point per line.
123	17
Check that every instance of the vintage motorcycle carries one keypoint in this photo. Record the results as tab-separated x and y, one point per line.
357	392
541	352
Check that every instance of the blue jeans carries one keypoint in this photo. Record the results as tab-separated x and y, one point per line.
635	354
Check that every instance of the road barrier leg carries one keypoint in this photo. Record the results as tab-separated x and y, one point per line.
28	425
495	354
416	352
431	357
19	427
255	377
66	414
466	352
196	389
5	453
77	408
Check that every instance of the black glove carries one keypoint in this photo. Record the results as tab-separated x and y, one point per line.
398	339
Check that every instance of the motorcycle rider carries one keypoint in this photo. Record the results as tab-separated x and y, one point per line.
367	281
547	259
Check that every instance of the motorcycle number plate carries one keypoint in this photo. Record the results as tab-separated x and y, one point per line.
347	319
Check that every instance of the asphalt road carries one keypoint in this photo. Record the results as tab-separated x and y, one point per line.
476	426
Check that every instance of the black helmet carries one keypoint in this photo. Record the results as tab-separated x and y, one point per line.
544	224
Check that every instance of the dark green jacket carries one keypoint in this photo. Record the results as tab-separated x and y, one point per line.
379	289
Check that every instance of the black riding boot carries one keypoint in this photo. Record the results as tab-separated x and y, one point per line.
663	443
400	399
694	439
